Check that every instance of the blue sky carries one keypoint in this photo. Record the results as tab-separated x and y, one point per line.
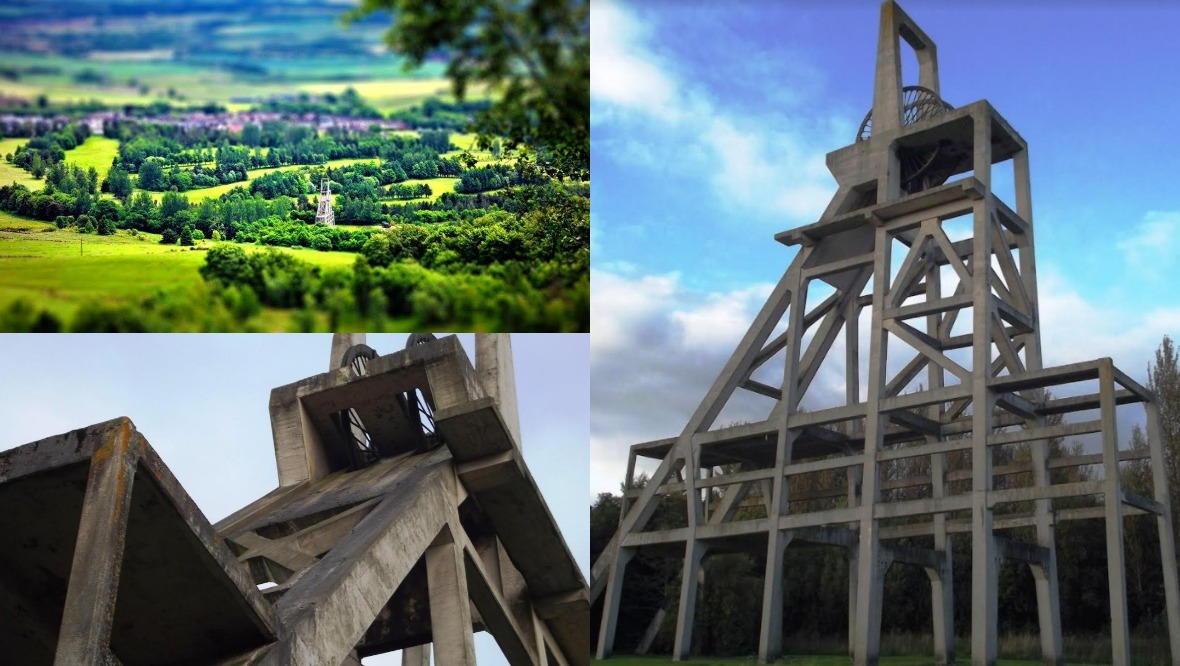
201	401
709	126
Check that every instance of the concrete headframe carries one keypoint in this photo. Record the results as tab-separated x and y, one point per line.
952	378
405	516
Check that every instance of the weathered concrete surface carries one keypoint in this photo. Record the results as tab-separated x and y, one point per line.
93	523
364	557
894	196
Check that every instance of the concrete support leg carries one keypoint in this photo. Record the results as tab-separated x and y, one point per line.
1116	565
351	660
94	576
653	628
942	606
450	608
694	552
770	642
1049	610
985	559
1171	593
873	565
1159	482
942	586
610	603
852	589
419	655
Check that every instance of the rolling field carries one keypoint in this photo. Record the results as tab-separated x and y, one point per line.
195	84
794	660
11	174
96	151
437	185
62	270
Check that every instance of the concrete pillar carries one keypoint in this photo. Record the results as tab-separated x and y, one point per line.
1048	610
853	588
873	565
943	610
942	589
493	363
854	475
1116	566
770	640
1159	482
351	659
89	607
610	603
419	655
694	553
653	628
341	343
450	608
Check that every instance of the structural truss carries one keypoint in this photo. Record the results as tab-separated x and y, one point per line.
405	515
919	263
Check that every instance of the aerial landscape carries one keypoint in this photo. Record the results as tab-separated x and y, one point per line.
290	166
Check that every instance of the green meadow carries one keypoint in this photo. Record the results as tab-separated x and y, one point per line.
60	270
12	174
794	660
96	151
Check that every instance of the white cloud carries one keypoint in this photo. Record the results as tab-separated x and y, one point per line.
624	72
1074	329
655	349
1151	248
755	159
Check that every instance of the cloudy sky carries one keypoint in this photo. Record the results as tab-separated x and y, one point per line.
201	401
709	126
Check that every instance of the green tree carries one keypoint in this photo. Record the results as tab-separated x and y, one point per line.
119	184
171	204
186	235
1163	378
36	166
106	216
151	174
533	54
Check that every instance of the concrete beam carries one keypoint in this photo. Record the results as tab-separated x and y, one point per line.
450	610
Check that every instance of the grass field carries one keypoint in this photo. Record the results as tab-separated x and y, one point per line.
97	152
795	660
62	270
10	174
196	196
437	185
199	85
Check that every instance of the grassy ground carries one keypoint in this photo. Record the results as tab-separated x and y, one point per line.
97	152
199	85
796	660
12	174
437	185
61	270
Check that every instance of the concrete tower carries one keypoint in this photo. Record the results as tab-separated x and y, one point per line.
953	378
323	213
405	516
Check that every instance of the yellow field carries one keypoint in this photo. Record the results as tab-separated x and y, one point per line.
213	86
